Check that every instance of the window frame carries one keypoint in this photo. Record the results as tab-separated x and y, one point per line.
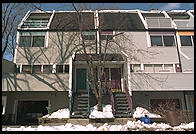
32	35
162	40
86	34
105	34
142	68
192	40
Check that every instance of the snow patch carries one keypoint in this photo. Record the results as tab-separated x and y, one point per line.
107	112
142	112
62	113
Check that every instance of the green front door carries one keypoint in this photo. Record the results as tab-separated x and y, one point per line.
81	77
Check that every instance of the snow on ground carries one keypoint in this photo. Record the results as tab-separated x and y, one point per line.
142	111
130	126
107	112
61	113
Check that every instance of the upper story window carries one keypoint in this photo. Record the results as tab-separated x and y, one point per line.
162	39
186	38
47	68
62	68
152	68
89	35
26	68
32	39
107	35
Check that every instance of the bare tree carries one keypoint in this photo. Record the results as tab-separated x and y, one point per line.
12	14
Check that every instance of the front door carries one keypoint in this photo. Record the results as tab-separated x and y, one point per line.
116	79
81	78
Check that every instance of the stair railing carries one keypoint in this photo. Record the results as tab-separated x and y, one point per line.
129	98
71	103
111	98
88	90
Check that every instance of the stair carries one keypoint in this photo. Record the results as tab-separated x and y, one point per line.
80	106
121	106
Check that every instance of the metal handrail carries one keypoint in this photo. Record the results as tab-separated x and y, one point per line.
88	102
129	98
71	103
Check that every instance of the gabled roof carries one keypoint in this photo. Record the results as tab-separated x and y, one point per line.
120	21
95	57
69	21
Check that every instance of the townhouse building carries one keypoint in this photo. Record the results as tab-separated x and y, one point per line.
152	63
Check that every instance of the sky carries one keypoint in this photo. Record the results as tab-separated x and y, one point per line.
123	6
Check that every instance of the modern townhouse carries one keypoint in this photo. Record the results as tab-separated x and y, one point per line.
154	65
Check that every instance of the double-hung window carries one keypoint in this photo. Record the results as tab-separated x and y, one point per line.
162	39
32	39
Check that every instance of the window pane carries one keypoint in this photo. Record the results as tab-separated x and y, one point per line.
59	68
106	74
26	68
36	68
148	68
156	41
25	41
136	68
169	67
185	40
158	67
38	41
169	40
88	37
66	68
47	69
106	37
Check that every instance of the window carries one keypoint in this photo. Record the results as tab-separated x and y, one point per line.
4	100
162	38
169	40
47	68
59	68
158	68
107	35
136	68
165	103
149	68
26	68
32	39
187	40
168	68
17	68
89	35
156	41
66	68
36	69
38	41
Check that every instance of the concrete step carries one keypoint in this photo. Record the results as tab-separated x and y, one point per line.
121	108
122	115
123	105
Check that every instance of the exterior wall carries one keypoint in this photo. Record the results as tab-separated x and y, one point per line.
35	82
60	47
142	98
7	66
58	100
162	81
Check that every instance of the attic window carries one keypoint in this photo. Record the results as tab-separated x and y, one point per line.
47	68
26	68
